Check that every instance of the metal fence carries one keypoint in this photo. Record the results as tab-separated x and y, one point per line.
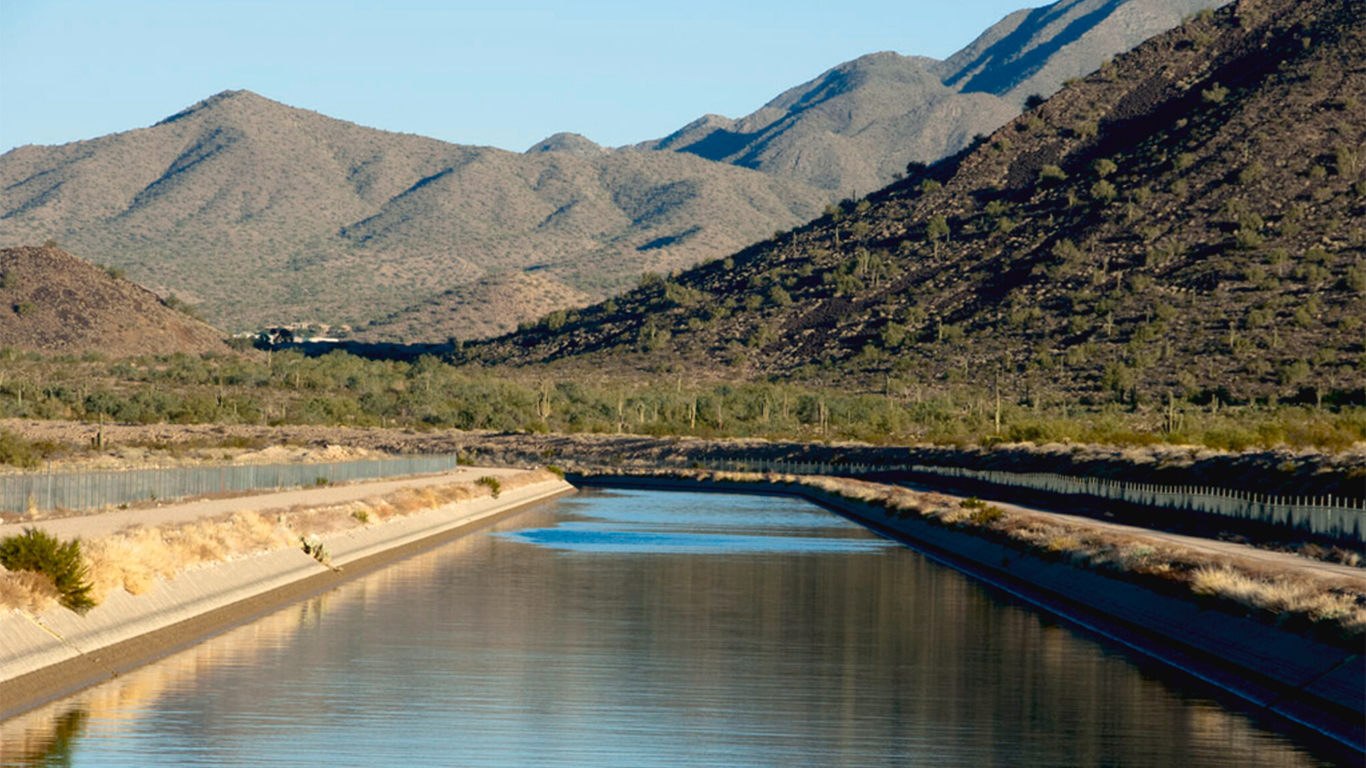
91	490
1336	517
1340	518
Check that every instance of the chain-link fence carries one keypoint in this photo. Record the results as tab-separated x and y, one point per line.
1340	518
1337	517
91	490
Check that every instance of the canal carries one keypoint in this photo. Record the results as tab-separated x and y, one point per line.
632	628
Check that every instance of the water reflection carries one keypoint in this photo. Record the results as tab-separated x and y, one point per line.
514	649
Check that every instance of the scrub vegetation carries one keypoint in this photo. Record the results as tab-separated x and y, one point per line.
39	571
288	388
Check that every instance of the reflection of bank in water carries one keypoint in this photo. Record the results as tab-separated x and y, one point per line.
43	736
495	647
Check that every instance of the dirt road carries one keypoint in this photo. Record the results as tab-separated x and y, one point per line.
1273	561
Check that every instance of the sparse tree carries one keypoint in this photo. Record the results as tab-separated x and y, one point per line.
937	230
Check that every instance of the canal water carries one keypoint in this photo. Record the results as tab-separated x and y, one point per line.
621	628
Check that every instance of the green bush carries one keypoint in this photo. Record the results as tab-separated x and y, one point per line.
37	550
493	484
17	451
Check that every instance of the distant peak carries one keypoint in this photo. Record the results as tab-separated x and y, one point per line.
573	143
240	97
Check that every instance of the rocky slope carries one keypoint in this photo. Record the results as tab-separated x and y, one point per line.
857	126
262	213
55	303
1188	221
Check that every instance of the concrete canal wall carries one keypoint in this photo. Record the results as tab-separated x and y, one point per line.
1312	683
58	651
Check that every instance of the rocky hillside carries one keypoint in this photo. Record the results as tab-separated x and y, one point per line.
1190	219
490	306
856	127
261	213
55	303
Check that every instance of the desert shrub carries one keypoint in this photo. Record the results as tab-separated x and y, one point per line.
37	550
494	486
1103	191
1252	172
17	451
1051	173
1215	94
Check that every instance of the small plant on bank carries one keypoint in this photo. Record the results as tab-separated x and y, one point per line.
320	480
362	516
982	513
556	470
37	550
315	548
492	482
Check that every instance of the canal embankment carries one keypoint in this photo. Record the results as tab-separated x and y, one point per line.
1303	663
55	651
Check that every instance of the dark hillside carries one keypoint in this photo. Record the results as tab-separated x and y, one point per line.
1189	219
56	303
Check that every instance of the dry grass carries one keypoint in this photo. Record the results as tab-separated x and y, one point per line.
27	590
136	558
1329	607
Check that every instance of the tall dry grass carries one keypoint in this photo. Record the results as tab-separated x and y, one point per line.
27	590
136	558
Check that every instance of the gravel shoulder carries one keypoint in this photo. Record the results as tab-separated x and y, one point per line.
1273	561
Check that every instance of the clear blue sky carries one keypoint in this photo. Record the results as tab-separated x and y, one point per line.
505	73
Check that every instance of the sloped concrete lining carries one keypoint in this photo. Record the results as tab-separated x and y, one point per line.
1306	681
58	651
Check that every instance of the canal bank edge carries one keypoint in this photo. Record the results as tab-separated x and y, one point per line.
62	652
1313	684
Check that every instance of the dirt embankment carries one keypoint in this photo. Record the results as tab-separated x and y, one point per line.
1281	472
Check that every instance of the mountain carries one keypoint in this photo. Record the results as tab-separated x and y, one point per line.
261	213
56	303
1190	220
489	306
858	125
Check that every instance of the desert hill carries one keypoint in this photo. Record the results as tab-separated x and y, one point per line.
858	125
56	303
490	306
1188	219
262	213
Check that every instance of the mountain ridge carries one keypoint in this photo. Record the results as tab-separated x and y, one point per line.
265	214
293	204
1186	222
923	109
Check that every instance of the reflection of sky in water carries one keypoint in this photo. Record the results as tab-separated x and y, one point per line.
799	650
587	538
625	522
